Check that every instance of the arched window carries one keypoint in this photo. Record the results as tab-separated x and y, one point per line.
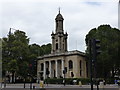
42	65
70	64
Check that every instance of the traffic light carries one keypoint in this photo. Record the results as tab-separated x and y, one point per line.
65	70
35	63
96	51
30	68
33	66
96	47
72	74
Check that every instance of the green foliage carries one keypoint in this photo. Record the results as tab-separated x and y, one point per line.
35	51
18	54
110	81
15	52
23	71
45	49
109	60
12	66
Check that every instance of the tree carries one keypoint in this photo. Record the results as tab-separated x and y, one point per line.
15	53
35	51
109	60
18	55
45	49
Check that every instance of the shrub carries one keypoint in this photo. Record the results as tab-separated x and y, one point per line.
67	80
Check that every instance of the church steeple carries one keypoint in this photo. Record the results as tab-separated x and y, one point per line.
59	39
59	22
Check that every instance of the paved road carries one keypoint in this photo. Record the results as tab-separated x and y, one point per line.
57	87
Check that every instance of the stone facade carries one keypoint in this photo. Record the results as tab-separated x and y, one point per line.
73	63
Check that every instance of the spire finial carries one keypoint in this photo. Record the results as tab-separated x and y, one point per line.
59	10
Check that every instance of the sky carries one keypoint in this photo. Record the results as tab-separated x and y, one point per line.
37	18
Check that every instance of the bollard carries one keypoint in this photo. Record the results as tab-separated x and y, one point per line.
1	86
41	84
33	87
101	85
80	83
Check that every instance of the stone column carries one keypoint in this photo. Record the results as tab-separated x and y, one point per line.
56	64
62	67
50	69
44	74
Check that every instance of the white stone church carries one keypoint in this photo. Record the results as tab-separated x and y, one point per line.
61	62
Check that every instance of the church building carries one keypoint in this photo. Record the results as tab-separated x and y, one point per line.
61	62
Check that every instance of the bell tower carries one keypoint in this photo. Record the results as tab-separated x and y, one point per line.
59	38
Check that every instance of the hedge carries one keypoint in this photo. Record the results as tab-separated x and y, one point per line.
84	81
67	80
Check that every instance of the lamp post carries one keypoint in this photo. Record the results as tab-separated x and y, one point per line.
9	46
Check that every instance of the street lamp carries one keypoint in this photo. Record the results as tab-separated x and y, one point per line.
10	30
9	46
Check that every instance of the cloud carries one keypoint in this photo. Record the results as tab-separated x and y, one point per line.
93	3
37	18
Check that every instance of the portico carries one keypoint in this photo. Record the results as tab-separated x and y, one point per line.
55	68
